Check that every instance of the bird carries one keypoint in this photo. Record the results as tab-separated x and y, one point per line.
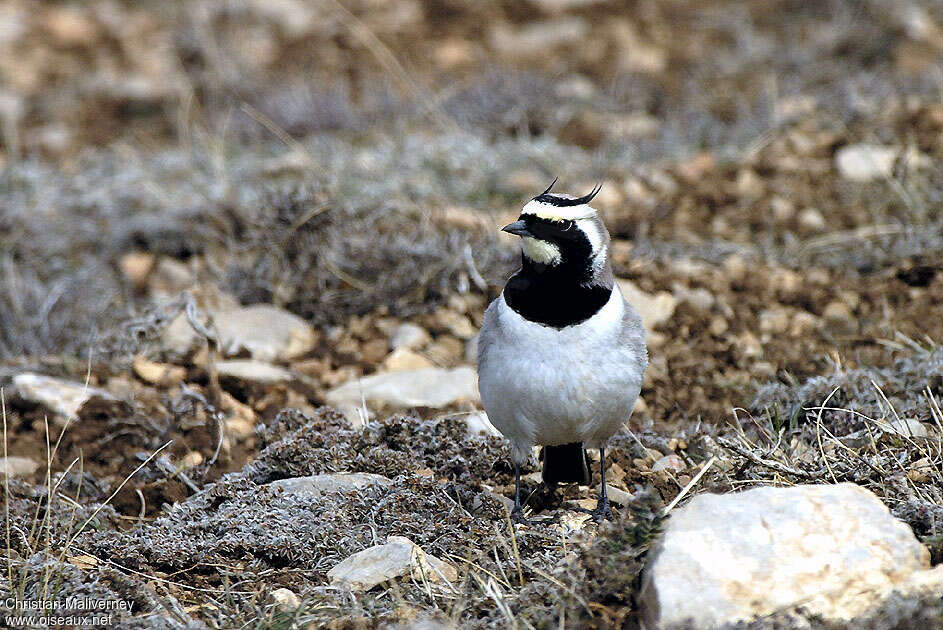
561	354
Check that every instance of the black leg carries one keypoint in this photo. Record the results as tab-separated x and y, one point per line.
517	514
602	510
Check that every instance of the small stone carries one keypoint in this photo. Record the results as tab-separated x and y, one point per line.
811	220
750	185
786	282
374	350
573	521
670	462
170	277
455	323
735	268
617	495
403	359
749	345
921	470
251	371
774	321
64	398
17	466
718	326
410	336
653	309
69	26
191	459
478	424
453	53
640	407
837	314
239	428
693	169
537	38
158	373
446	350
865	162
700	299
318	485
783	209
433	387
285	600
803	323
136	267
380	563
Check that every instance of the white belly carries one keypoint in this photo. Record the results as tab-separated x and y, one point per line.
541	385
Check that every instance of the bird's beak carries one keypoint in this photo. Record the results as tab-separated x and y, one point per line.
518	228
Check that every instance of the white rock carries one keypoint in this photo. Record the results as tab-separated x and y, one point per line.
265	332
285	599
432	387
537	38
617	495
317	485
478	424
410	336
17	466
700	299
253	371
811	220
669	462
730	558
399	556
864	162
64	398
654	309
906	427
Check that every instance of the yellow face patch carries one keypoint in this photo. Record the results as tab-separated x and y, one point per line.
539	251
558	213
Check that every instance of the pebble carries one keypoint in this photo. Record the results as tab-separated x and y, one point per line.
774	321
669	462
285	600
865	162
17	466
653	309
839	315
409	335
803	323
380	563
251	371
403	359
158	373
811	220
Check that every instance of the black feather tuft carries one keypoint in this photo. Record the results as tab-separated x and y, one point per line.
561	202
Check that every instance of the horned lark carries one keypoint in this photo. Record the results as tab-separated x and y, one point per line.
561	354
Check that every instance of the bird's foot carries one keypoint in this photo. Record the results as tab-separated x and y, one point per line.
517	516
600	513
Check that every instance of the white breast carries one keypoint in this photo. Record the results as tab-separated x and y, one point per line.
542	385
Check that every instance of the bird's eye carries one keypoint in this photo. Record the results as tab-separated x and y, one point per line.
568	225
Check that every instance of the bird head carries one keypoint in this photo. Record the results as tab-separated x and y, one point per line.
562	233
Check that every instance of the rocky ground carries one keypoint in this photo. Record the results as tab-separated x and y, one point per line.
246	248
